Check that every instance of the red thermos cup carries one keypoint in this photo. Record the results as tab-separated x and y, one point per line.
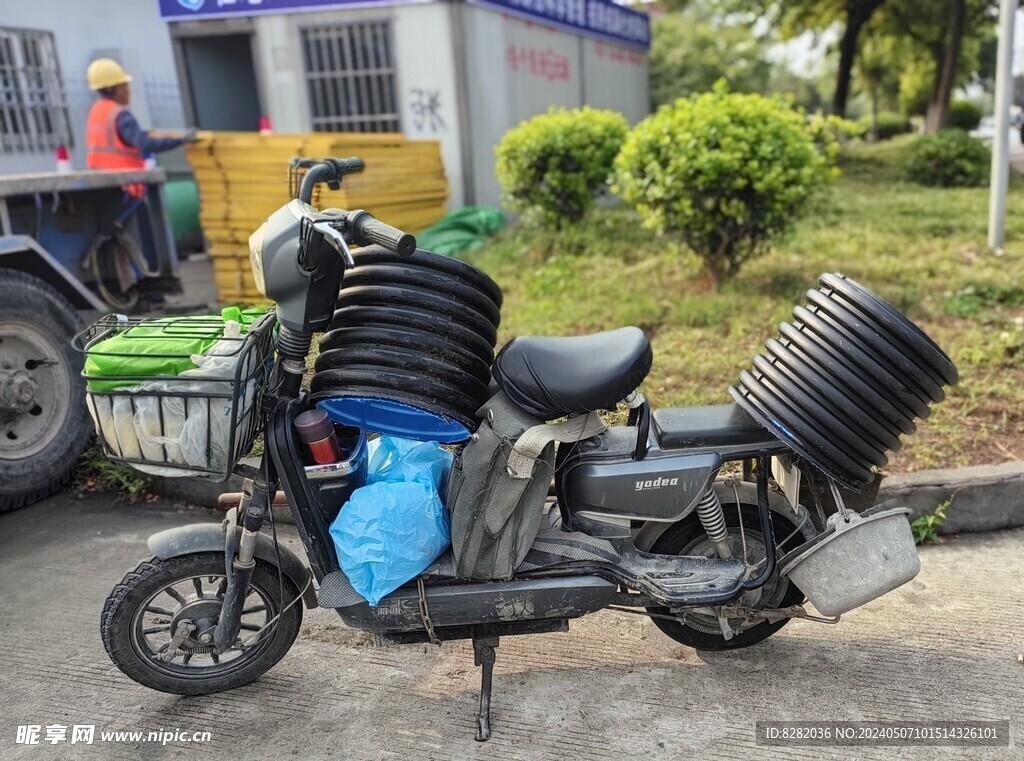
317	432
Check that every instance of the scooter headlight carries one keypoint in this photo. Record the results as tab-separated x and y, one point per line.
256	257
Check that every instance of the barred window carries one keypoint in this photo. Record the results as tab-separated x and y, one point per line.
33	107
350	74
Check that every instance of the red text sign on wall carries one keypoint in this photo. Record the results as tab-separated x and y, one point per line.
620	55
550	64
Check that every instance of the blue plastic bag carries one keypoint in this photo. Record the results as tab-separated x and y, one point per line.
395	527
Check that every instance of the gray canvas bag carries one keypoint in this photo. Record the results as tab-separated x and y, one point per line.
498	485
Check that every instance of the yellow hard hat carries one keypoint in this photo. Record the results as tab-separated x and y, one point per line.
106	72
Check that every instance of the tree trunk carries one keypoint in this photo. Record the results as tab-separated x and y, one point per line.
857	14
945	75
873	135
847	52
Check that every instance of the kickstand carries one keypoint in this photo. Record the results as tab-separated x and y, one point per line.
483	656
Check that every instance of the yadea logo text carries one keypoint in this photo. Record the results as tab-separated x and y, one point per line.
656	483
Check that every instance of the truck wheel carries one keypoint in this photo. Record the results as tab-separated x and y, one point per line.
44	421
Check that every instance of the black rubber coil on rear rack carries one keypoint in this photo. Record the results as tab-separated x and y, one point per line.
844	380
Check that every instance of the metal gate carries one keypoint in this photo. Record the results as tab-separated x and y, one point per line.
33	109
350	75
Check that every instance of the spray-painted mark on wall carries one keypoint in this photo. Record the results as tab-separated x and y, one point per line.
426	110
620	55
550	64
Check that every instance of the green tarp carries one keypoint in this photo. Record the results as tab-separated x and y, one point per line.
462	231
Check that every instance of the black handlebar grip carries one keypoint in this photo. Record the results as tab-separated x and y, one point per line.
367	230
350	166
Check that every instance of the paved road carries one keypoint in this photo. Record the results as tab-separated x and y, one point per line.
943	647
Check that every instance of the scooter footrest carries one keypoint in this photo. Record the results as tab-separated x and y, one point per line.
678	581
672	580
689	581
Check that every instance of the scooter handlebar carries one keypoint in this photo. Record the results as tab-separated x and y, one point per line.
330	171
366	230
347	166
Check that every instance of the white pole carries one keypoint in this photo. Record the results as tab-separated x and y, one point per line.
1001	146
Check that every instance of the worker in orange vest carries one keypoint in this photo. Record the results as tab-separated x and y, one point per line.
113	138
114	141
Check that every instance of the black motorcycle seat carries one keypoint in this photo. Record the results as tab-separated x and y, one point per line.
555	377
719	425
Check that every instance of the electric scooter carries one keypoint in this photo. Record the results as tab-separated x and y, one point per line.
717	522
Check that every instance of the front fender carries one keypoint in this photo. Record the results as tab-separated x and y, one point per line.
652	530
209	537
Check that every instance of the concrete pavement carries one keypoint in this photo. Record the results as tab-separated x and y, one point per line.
943	647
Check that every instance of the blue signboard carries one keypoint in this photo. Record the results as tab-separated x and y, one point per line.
594	18
183	10
603	19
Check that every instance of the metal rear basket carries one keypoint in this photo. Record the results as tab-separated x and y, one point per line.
199	421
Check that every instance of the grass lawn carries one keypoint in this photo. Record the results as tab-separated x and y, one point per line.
921	249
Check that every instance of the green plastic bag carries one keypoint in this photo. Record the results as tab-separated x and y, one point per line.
161	346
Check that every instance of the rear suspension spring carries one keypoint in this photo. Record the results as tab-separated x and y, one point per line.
712	518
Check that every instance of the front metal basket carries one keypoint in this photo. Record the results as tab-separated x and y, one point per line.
297	169
199	421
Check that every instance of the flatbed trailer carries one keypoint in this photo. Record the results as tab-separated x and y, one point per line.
69	243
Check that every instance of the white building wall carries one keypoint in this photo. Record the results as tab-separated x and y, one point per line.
127	30
427	84
615	77
277	56
424	58
517	69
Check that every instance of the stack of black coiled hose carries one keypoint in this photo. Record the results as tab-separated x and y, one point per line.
844	380
418	330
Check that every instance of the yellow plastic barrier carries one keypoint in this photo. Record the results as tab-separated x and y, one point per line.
243	178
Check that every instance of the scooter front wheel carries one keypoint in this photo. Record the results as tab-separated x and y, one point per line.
154	606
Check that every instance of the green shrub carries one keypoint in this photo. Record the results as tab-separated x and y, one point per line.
890	124
723	171
964	114
950	158
551	167
831	134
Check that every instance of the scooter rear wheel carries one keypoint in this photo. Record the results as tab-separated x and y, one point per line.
144	611
701	631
